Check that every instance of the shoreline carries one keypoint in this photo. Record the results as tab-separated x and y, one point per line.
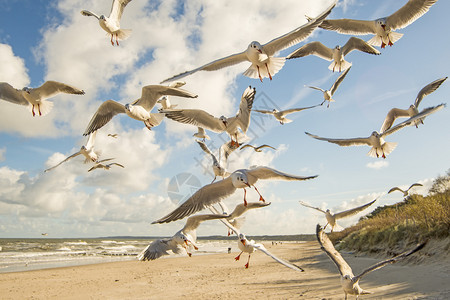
219	276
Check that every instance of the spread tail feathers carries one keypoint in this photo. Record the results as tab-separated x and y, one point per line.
123	34
44	108
340	66
274	65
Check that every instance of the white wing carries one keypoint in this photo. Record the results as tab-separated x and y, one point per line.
327	246
338	81
10	94
343	142
391	116
313	48
414	184
411	121
88	13
204	197
297	35
156	249
117	9
105	112
410	12
267	112
207	151
91	140
68	158
355	43
245	107
241	209
428	89
151	94
263	249
395	189
197	118
269	173
293	110
349	26
353	211
318	88
212	66
307	205
193	222
51	88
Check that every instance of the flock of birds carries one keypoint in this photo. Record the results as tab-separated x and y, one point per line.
263	64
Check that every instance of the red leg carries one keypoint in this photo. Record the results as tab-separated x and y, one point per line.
260	197
32	111
248	262
245	200
39	109
117	40
383	45
260	78
112	43
268	72
239	256
390	43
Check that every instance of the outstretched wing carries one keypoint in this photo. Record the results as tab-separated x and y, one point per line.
204	197
327	246
89	14
117	9
269	173
414	184
155	250
10	94
245	108
428	89
263	249
338	81
349	26
313	48
193	222
391	116
241	208
297	35
266	146
212	66
390	261
105	112
207	151
410	12
267	112
151	94
353	211
355	43
293	110
196	117
395	189
68	158
307	205
51	88
342	142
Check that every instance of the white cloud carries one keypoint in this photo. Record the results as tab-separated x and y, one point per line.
378	164
2	154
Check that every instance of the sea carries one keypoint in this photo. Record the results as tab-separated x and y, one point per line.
17	255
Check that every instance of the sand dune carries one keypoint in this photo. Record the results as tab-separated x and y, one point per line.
218	276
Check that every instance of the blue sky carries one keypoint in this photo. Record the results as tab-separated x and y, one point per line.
41	42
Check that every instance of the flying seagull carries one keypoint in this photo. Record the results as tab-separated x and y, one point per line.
376	140
165	101
405	192
257	149
263	62
138	109
183	239
328	94
99	165
87	151
335	54
382	28
36	98
281	115
111	24
413	109
250	246
201	134
201	118
215	192
331	218
350	282
219	168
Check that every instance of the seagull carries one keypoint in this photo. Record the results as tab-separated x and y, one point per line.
87	151
36	97
99	164
235	218
203	119
413	108
331	218
138	109
382	28
281	115
263	62
44	234
183	239
257	149
164	100
201	134
250	246
328	94
214	192
405	192
113	135
376	140
350	282
218	168
335	54
111	24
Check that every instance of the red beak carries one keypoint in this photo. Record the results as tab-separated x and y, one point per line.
383	26
259	50
243	242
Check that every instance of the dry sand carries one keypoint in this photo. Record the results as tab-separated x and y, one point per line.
218	276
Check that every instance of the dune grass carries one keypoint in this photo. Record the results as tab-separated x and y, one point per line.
413	220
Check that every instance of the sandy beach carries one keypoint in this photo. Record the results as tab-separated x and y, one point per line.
219	276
